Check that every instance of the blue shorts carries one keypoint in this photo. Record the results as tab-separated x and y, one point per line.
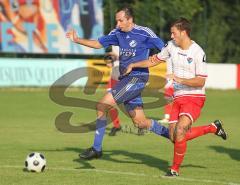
128	91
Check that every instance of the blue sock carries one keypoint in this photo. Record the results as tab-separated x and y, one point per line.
100	131
159	129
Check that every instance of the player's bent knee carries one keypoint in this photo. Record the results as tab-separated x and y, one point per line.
101	107
135	122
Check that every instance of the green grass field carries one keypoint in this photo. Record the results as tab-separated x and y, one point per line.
27	124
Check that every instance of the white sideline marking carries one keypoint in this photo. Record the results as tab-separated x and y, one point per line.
131	174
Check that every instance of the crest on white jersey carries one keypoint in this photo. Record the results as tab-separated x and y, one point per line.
133	43
189	59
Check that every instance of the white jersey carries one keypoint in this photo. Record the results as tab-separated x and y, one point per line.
187	64
115	68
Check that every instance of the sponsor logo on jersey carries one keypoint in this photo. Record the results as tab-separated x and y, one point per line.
126	52
133	43
189	59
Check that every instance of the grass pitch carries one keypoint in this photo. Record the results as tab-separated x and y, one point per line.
27	124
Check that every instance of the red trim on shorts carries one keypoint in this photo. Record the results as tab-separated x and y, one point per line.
238	76
188	115
174	121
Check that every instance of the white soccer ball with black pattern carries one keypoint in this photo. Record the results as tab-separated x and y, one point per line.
35	162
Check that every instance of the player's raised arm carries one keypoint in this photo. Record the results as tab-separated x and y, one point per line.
152	61
72	35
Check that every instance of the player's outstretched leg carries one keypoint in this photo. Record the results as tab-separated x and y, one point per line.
159	129
96	150
215	128
106	103
139	119
180	146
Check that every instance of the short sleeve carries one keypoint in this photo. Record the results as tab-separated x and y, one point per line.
155	42
201	65
152	41
165	53
110	39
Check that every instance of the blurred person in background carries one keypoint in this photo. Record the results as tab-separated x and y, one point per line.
112	61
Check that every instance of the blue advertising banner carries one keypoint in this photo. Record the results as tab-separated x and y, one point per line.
39	72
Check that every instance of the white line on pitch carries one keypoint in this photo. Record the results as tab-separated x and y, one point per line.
131	174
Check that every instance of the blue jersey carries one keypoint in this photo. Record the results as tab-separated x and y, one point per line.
134	46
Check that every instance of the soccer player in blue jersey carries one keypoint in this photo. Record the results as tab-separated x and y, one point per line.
134	42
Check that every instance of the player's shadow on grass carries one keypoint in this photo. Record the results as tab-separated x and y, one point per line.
126	157
134	158
120	156
233	153
192	166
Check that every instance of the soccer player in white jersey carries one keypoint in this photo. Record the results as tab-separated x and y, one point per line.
189	73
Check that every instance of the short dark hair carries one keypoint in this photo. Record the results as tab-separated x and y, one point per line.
128	11
183	24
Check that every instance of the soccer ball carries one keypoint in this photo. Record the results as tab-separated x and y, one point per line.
35	162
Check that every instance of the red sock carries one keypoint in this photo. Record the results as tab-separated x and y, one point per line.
199	131
114	117
180	148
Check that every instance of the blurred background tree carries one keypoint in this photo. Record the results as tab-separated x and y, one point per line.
215	23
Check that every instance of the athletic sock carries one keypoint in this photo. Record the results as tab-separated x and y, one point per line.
114	117
179	152
159	129
100	131
199	131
